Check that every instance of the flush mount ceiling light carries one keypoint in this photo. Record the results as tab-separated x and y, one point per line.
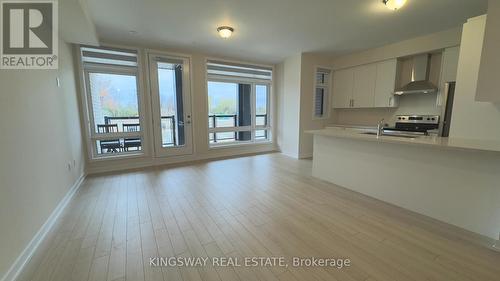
394	4
225	31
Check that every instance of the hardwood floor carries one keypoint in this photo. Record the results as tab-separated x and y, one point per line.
266	205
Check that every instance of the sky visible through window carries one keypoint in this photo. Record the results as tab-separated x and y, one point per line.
166	84
223	98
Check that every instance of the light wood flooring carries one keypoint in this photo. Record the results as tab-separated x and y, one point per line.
265	205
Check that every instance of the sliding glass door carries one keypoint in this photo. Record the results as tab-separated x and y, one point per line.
171	105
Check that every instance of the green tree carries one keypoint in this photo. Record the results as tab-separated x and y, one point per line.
224	106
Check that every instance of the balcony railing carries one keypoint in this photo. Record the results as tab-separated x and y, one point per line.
131	124
169	130
231	120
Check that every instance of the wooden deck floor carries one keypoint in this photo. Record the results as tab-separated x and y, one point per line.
266	205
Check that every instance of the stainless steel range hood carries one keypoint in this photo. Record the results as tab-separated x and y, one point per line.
419	81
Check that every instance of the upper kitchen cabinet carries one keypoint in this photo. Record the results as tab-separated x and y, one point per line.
342	88
364	86
385	84
487	84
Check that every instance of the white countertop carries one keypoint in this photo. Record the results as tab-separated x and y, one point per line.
351	127
356	132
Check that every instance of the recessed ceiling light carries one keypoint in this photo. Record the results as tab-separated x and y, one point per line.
394	4
225	31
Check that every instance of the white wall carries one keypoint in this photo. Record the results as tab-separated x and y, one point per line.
487	89
472	119
289	106
40	135
295	86
418	45
307	122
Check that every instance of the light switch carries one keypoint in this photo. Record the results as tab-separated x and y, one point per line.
58	82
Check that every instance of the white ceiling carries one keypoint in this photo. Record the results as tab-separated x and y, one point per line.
271	30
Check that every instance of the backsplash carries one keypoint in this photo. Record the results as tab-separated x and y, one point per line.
408	104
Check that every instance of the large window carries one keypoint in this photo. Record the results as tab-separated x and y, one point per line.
321	93
112	100
238	103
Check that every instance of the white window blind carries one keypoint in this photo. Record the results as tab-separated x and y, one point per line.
321	91
109	56
319	102
230	69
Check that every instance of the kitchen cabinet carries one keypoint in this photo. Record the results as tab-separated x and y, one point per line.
342	88
487	84
385	84
364	86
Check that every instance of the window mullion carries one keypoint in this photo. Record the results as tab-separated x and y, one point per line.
252	109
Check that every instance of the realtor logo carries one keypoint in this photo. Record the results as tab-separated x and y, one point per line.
28	34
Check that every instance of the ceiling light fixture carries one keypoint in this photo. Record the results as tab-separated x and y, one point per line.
394	4
225	31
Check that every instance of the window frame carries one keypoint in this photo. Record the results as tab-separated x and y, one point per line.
326	93
253	127
91	135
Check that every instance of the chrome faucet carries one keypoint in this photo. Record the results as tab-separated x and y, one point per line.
380	127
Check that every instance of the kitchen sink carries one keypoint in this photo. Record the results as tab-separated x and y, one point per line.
390	135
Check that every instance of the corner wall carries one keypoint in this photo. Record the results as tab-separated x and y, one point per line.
307	122
288	92
472	119
41	135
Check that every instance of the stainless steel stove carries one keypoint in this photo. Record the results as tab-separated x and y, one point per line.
415	124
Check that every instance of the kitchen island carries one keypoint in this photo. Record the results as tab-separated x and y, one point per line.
456	181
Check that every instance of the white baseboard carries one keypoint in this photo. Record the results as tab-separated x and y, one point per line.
496	247
306	155
214	154
25	256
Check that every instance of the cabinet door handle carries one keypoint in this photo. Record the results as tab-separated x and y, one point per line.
390	101
352	103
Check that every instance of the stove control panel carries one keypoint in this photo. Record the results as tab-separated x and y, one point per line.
418	119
